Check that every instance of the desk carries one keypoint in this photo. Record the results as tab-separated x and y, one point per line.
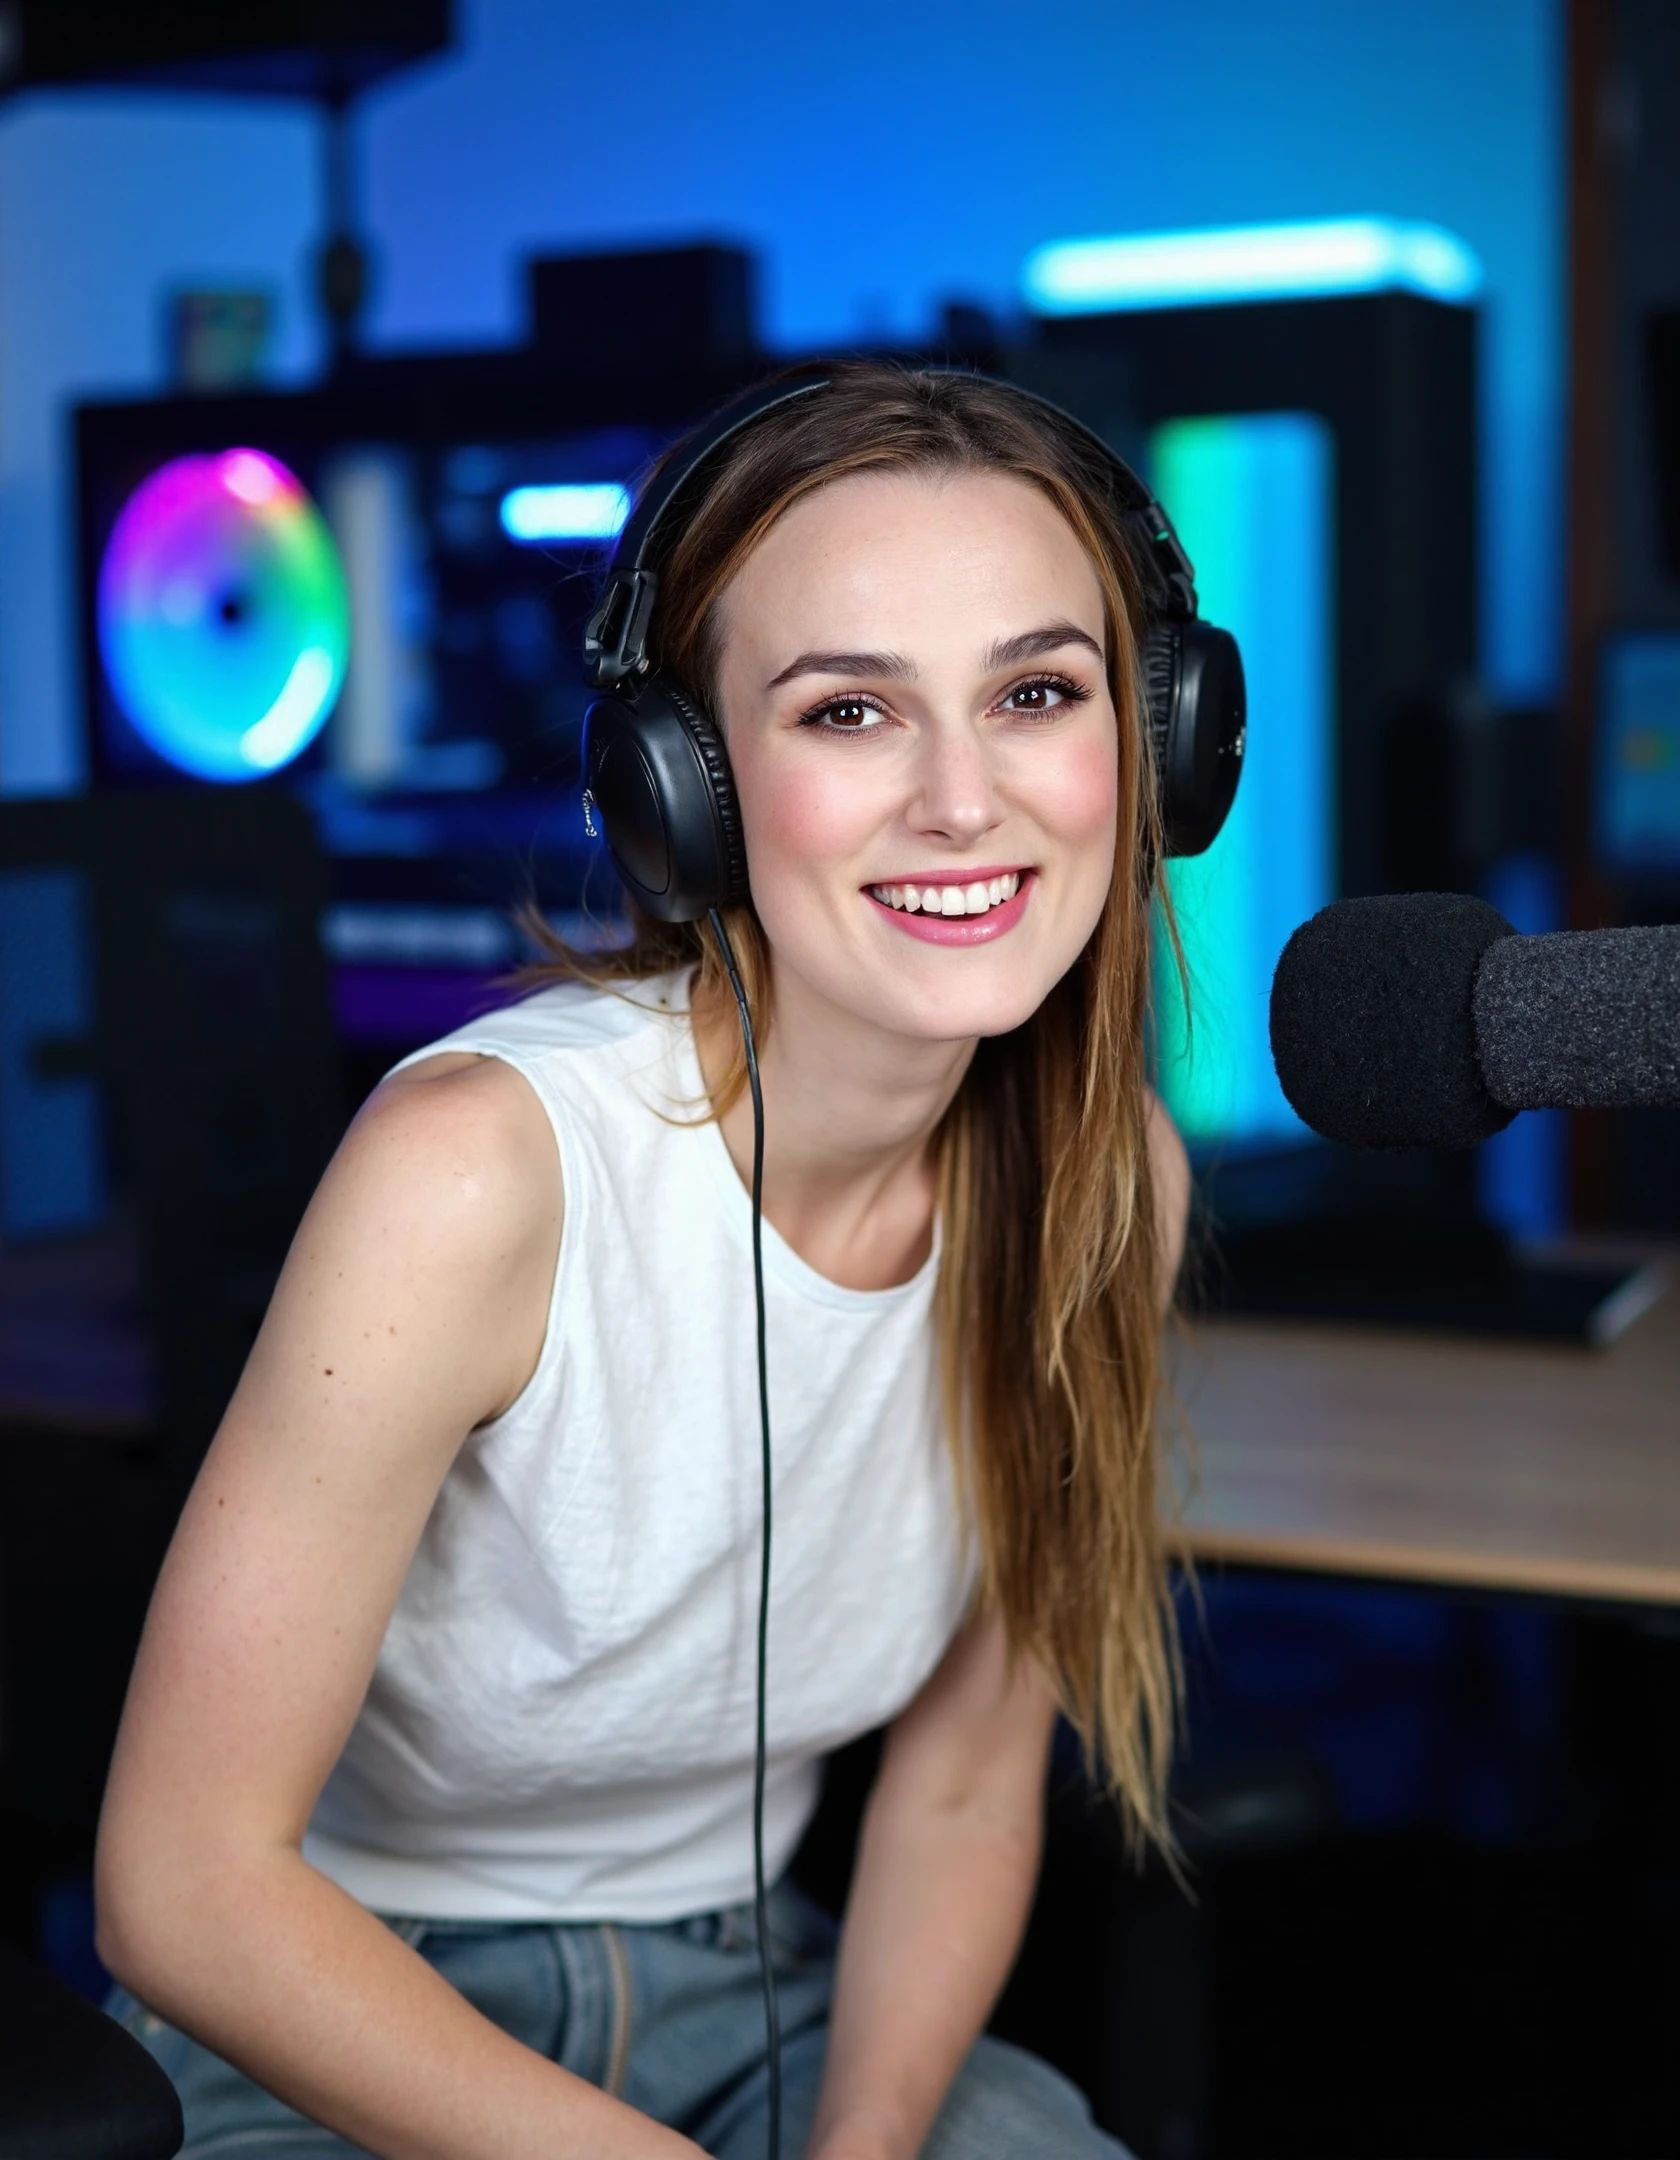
1496	1465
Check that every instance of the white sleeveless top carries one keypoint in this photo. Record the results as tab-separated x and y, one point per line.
560	1723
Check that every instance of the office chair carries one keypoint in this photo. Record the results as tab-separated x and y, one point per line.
74	2085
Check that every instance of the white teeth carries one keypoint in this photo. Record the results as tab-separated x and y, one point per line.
972	899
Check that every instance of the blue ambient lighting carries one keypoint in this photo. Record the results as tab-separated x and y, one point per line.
574	511
1253	497
1248	262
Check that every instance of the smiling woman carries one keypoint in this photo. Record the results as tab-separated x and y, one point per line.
458	1630
945	720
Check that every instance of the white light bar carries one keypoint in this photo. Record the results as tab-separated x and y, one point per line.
593	511
1248	262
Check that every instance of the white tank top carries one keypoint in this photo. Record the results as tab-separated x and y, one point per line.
560	1723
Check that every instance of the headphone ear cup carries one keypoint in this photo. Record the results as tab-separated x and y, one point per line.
726	804
1198	728
656	770
1162	653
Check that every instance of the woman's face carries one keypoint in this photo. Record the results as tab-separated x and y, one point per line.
913	692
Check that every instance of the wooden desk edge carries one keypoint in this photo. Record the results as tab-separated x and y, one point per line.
1533	1573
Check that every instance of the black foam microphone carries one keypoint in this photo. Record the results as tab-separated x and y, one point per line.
1423	1020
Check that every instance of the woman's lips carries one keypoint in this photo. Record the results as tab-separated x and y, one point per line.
997	921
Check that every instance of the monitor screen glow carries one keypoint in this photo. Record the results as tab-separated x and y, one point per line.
1252	496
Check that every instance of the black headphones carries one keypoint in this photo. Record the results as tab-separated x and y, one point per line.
655	768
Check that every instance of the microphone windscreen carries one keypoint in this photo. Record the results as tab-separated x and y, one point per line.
1582	1019
1373	1032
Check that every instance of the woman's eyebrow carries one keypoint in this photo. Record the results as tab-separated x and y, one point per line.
1002	653
846	663
1028	644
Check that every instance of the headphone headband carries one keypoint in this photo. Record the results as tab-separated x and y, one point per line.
615	639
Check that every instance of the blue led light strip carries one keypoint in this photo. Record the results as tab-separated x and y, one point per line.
1253	497
1248	262
574	511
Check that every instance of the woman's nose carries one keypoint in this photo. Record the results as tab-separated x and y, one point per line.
956	796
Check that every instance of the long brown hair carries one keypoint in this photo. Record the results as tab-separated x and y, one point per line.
1048	1304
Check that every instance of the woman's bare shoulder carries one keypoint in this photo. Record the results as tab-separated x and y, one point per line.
464	1124
442	1207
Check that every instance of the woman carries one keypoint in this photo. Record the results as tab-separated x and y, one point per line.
431	1809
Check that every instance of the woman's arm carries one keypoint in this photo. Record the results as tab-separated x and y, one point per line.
412	1308
947	1861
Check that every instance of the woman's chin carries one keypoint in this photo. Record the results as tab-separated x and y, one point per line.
942	1002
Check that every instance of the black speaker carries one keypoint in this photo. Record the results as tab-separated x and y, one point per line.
644	308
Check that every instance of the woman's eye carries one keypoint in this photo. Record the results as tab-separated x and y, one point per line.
1041	697
850	715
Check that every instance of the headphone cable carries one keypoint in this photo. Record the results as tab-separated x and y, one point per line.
761	1911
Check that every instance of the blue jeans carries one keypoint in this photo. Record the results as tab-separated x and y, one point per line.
669	2018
